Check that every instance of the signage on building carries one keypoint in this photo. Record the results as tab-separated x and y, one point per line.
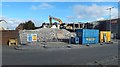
34	37
76	40
31	37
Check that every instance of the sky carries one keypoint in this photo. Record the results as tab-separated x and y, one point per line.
59	0
18	12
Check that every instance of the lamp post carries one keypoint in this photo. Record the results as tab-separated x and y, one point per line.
110	16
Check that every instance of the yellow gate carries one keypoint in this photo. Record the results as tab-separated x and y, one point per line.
105	36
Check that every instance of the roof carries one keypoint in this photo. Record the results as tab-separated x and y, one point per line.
105	20
3	20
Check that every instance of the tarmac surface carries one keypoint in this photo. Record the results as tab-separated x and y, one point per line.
106	54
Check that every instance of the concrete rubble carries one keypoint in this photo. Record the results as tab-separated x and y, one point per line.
47	34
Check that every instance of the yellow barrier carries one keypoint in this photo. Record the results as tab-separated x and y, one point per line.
12	42
105	36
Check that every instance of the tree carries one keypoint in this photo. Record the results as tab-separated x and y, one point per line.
29	25
20	26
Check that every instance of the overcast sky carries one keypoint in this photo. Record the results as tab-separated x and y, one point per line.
17	12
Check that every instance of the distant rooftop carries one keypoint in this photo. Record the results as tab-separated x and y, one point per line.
105	20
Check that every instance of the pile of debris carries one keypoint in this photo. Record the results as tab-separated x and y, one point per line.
48	34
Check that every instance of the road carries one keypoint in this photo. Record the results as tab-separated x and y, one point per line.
104	54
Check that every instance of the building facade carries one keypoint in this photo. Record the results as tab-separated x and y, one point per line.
104	25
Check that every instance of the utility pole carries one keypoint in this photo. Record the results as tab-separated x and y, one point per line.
110	16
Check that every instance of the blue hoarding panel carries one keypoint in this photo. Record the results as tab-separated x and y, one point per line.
29	38
88	36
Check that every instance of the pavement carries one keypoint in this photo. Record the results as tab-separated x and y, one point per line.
40	45
106	54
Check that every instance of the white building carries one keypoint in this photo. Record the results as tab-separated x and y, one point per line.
3	25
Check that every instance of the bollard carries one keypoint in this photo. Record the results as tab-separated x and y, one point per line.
95	62
69	46
88	45
45	45
17	47
101	43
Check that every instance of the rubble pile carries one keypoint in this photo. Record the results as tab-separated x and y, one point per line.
48	34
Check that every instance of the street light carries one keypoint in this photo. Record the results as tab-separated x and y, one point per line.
110	15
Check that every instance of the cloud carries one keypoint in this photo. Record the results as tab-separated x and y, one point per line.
93	12
11	22
3	5
100	18
103	0
42	6
70	17
114	13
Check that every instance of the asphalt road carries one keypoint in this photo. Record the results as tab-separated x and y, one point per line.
104	54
